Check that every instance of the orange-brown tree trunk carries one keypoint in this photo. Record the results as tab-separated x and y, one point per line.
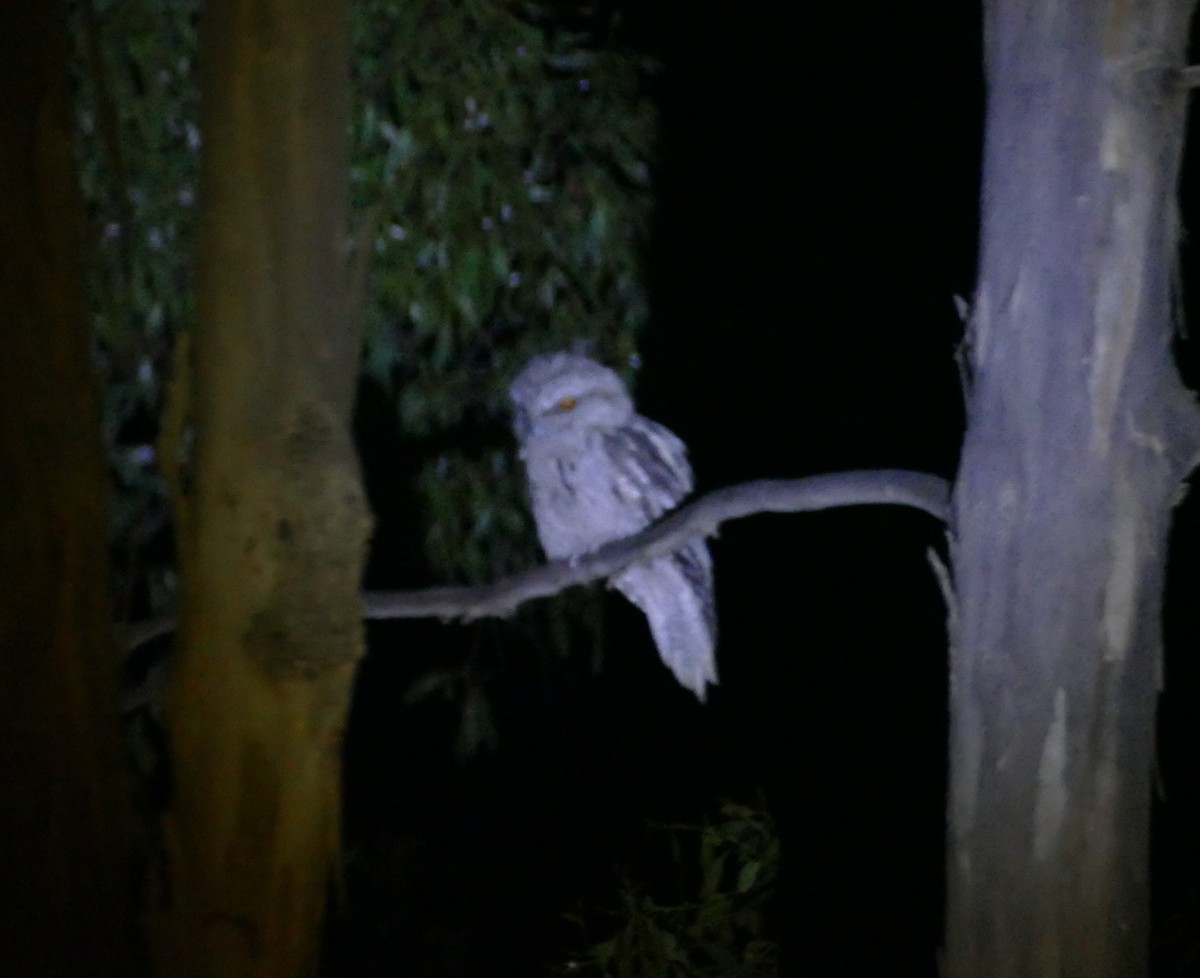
272	519
66	887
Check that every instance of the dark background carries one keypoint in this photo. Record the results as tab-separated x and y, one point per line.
818	207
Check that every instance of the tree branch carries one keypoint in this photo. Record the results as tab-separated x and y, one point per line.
699	518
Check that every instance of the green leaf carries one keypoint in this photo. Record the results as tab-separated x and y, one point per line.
470	276
747	876
499	260
476	728
712	876
413	408
438	681
603	952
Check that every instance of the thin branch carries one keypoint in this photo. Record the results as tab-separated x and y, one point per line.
699	518
136	634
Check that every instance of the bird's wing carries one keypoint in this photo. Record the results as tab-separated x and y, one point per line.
651	465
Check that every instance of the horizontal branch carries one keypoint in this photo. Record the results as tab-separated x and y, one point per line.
699	518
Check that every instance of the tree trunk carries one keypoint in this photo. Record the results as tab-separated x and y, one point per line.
1079	433
272	518
66	893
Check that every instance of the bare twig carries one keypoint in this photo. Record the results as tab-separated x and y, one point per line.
699	518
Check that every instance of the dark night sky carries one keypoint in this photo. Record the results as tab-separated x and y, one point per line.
818	209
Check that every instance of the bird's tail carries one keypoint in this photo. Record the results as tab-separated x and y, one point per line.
676	595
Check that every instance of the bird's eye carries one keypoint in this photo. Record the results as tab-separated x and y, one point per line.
567	404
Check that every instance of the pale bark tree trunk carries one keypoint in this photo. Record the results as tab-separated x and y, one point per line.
272	519
66	887
1079	433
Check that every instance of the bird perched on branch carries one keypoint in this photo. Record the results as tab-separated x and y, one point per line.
598	471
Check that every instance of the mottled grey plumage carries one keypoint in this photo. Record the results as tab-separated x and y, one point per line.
598	471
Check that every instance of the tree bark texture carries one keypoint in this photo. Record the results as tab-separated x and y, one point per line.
66	886
1079	434
272	518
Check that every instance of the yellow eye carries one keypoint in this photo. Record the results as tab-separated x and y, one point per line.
567	404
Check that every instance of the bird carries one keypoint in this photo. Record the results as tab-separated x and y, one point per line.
598	471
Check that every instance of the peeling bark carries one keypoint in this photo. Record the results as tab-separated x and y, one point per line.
1079	434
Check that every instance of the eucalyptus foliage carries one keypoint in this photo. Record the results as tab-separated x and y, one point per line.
502	155
139	135
712	924
503	164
